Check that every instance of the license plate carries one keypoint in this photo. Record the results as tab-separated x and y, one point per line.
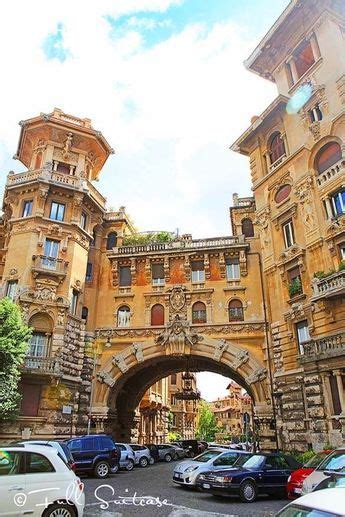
297	490
206	485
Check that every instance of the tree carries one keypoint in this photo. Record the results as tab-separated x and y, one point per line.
14	337
206	427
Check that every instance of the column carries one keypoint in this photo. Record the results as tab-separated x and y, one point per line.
327	400
328	207
293	69
267	162
314	47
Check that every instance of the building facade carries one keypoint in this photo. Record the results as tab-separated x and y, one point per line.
183	412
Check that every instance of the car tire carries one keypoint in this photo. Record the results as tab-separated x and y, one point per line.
101	470
168	458
130	465
59	510
152	461
143	462
115	469
248	491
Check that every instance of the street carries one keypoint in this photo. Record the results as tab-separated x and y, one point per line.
156	495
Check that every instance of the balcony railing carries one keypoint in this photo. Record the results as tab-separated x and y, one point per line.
333	285
323	348
55	265
329	174
42	365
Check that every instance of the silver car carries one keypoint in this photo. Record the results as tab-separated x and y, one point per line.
180	453
127	459
166	452
142	455
186	472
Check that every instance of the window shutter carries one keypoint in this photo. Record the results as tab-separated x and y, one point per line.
125	276
335	394
157	315
157	271
294	273
31	398
197	265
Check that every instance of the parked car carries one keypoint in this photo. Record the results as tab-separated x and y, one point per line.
95	453
52	479
202	446
334	462
61	447
250	476
166	452
333	480
186	472
142	454
331	504
295	481
127	459
180	452
191	447
153	448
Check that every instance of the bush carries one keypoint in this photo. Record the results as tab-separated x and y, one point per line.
143	239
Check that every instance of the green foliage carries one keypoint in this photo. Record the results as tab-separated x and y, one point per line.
324	274
295	287
207	427
14	337
173	437
341	266
170	420
142	239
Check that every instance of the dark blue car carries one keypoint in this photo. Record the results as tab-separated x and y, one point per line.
95	454
259	474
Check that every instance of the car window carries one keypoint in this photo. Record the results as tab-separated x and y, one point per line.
135	447
335	462
226	459
11	463
36	463
254	462
66	451
315	460
89	444
206	456
298	511
107	443
277	462
75	445
122	447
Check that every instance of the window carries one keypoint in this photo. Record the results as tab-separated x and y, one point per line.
51	251
158	274
289	237
342	251
75	445
84	313
111	240
11	463
88	276
27	208
64	168
226	460
173	378
11	289
338	203
107	443
38	161
335	395
37	463
38	345
83	220
94	237
276	147
157	315
327	156
232	269
236	310
198	272
123	316
304	58
282	193
74	302
89	444
302	332
31	395
57	211
125	276
247	228
295	281
199	313
315	114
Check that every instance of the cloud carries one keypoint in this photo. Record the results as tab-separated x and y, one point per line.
53	45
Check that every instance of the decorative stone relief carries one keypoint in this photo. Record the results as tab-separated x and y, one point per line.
341	88
138	352
177	338
241	358
106	378
258	375
263	222
177	298
303	192
119	361
219	350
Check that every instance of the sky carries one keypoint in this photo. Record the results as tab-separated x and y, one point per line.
163	80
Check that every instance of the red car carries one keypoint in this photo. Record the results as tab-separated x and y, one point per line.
295	481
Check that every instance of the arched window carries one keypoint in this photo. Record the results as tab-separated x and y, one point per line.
236	310
247	228
328	155
111	240
157	314
39	341
84	313
276	147
199	313
123	316
38	161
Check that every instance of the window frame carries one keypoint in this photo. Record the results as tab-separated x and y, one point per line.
83	220
11	289
198	275
304	325
74	302
238	315
58	206
297	57
121	268
289	234
26	203
162	315
199	316
157	280
128	320
89	272
232	265
340	194
37	345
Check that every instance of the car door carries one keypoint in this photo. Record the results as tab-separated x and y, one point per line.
227	459
75	448
12	484
273	476
90	449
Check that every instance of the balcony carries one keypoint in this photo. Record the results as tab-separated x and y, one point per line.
42	365
329	287
52	266
323	348
335	171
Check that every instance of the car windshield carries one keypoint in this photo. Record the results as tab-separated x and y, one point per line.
336	462
315	460
295	510
253	462
206	456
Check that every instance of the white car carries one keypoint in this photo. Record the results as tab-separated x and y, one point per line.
35	481
335	462
324	503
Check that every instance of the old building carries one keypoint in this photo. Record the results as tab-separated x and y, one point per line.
296	149
153	413
183	407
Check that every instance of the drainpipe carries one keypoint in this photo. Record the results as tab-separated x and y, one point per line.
269	360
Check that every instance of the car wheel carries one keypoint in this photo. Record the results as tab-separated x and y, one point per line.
130	465
168	458
101	469
152	461
248	491
143	462
59	510
115	469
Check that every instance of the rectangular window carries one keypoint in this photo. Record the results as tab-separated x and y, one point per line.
74	302
83	220
51	252
57	211
304	58
125	279
31	394
295	281
38	346
88	276
158	274
288	231
302	332
11	289
232	269
335	395
27	208
198	271
338	203
342	252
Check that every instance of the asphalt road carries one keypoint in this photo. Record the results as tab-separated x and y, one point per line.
157	496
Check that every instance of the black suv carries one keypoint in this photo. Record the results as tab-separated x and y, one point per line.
96	453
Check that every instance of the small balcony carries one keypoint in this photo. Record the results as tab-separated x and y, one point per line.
50	265
323	348
42	365
328	175
329	287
